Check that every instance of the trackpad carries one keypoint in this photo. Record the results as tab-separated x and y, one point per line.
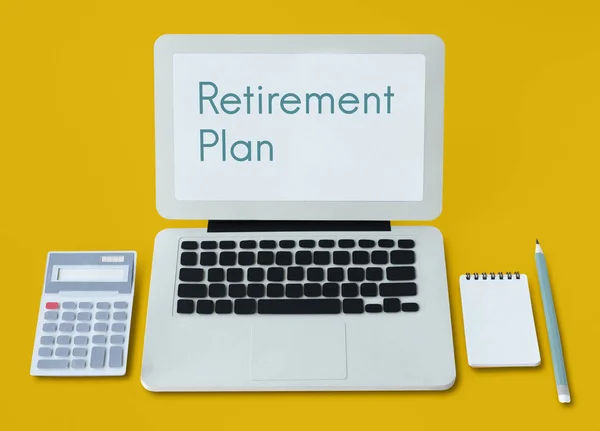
298	350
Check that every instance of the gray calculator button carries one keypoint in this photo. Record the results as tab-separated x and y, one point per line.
69	316
102	315
120	315
117	339
62	352
118	327
83	327
48	364
115	359
99	339
97	359
80	340
63	340
69	305
121	305
51	315
78	363
45	351
65	327
100	327
47	340
86	305
80	352
49	327
84	316
103	306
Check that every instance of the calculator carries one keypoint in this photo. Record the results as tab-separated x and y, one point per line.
84	319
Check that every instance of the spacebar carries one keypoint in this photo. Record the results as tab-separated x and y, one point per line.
299	306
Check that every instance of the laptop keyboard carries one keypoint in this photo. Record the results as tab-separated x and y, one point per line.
305	276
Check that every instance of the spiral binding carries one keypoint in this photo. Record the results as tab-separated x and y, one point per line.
493	275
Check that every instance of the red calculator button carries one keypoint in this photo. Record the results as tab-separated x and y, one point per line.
52	305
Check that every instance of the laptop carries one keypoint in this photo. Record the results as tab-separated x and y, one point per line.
299	150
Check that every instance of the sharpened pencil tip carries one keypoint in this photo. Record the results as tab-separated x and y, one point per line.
536	241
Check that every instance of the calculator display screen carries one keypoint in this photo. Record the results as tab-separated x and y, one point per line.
92	274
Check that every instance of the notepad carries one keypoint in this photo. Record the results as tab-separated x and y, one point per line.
498	319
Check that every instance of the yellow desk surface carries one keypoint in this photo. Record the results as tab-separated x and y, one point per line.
521	161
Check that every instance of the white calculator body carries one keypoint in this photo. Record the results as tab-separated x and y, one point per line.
84	318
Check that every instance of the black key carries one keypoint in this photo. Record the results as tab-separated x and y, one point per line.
216	274
346	243
331	290
283	258
353	306
335	274
267	244
315	274
189	245
247	244
227	258
312	290
368	289
356	274
223	306
295	273
275	274
191	274
406	243
373	308
235	274
349	290
341	257
217	290
274	290
205	307
306	243
256	274
299	306
244	306
379	257
360	257
246	258
189	258
227	245
397	289
191	290
366	243
402	257
386	243
208	245
391	305
395	273
374	274
237	290
185	306
322	258
208	258
256	290
266	258
410	306
326	243
293	290
287	243
303	258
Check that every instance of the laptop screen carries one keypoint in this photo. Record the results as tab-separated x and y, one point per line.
299	127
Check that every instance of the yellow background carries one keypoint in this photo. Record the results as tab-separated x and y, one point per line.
521	161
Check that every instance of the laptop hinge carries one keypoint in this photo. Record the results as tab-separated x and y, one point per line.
296	226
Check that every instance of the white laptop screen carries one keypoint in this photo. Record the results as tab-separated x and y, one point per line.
299	127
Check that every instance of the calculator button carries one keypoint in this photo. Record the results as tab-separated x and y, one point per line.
80	340
99	339
45	351
63	340
83	327
118	327
103	306
47	340
80	352
51	305
120	315
65	327
78	363
97	359
68	316
51	315
69	305
121	305
84	316
115	359
117	339
86	305
62	352
102	315
49	327
100	327
48	364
